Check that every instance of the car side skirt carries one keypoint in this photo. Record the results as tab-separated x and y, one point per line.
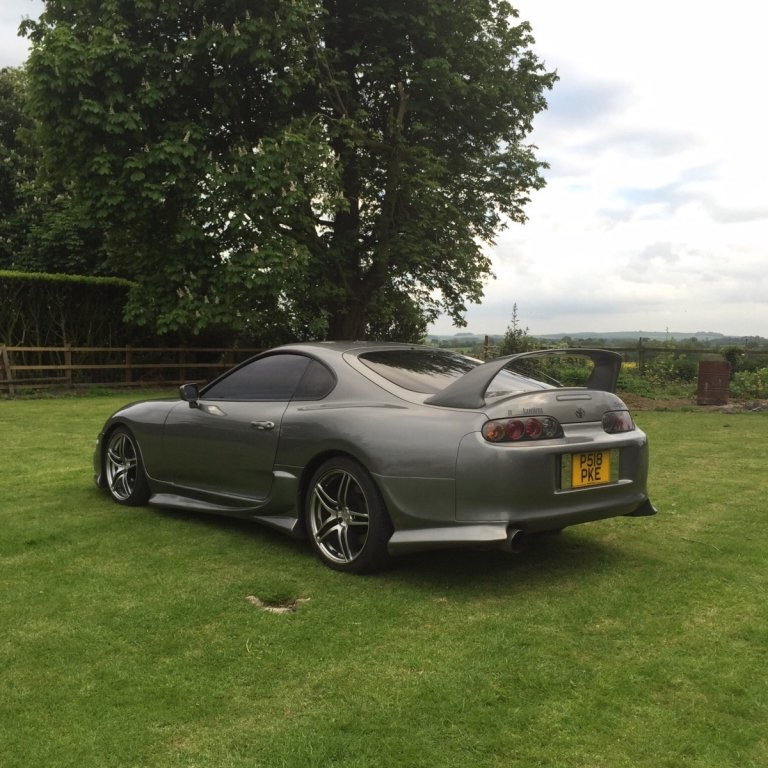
289	524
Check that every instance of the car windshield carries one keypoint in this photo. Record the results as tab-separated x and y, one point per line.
430	371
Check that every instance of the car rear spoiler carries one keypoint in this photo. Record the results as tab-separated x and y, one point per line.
469	391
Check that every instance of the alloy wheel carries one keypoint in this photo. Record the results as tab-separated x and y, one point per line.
121	466
339	516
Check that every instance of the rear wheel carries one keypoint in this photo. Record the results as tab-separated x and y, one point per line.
346	517
126	480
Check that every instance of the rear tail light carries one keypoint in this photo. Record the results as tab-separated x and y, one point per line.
521	430
615	422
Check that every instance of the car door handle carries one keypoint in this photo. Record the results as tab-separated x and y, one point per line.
263	425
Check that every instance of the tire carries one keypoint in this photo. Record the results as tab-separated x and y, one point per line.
346	518
124	469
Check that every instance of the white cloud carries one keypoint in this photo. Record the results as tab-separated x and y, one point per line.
655	214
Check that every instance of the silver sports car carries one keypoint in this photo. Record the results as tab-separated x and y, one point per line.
375	449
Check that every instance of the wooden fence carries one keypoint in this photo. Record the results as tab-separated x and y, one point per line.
24	368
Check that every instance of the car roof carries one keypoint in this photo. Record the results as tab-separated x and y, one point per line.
469	390
342	347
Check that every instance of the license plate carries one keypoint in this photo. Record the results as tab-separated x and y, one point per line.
593	468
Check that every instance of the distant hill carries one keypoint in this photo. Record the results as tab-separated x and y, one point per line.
635	335
468	338
465	340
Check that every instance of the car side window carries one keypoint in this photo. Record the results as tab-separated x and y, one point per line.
275	378
316	383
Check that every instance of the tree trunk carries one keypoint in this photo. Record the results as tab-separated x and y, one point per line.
347	323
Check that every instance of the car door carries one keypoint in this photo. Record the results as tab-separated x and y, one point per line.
225	443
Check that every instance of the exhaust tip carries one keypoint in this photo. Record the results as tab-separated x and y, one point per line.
516	541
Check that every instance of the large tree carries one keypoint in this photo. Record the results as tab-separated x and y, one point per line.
328	167
16	162
42	227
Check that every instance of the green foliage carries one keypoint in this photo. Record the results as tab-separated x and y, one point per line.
16	163
568	371
516	338
49	310
734	356
668	367
396	316
748	384
42	228
310	165
632	383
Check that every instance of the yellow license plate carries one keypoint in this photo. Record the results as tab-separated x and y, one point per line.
593	468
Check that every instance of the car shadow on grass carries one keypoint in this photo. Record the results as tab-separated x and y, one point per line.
571	553
237	526
544	559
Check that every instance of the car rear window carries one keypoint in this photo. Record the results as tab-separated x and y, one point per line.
419	370
431	371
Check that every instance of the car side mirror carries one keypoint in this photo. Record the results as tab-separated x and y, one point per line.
190	394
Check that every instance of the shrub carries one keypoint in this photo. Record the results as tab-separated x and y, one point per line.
750	383
669	367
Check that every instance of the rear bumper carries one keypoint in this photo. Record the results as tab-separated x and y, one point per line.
526	485
502	535
421	539
646	509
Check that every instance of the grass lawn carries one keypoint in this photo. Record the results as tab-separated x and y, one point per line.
127	637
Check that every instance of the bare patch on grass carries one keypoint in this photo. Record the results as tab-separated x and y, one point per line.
287	605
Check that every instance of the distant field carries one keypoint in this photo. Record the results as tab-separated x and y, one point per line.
129	639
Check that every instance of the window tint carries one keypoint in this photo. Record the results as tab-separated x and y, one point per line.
316	383
419	370
268	378
431	371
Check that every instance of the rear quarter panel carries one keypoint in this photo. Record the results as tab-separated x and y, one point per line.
410	450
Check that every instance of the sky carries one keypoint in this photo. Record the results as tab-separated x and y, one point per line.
655	213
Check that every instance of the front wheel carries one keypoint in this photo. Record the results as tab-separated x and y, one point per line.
126	480
346	517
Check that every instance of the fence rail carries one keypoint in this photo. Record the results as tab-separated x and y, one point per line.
24	368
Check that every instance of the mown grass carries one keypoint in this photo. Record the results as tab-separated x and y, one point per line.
127	638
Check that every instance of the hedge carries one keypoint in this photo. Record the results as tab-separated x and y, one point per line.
41	310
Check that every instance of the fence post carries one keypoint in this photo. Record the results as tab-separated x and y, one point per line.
68	365
640	356
128	362
7	368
